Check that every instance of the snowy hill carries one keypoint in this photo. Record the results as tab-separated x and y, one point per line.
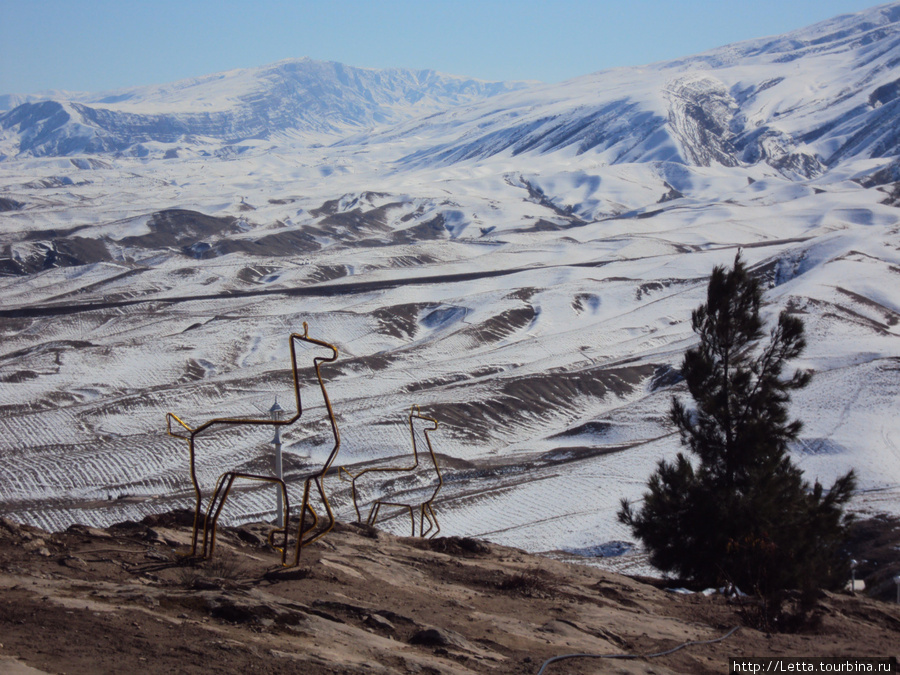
520	261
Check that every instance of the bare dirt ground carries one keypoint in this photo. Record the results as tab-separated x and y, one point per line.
126	600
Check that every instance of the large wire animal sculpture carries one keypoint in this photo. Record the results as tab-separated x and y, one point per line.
305	535
425	508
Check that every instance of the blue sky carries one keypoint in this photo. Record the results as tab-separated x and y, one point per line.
94	45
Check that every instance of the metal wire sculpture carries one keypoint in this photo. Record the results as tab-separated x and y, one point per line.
425	507
305	536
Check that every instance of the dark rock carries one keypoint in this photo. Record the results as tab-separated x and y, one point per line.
9	525
174	518
459	545
86	531
379	622
74	562
9	204
287	574
250	537
207	584
366	530
440	637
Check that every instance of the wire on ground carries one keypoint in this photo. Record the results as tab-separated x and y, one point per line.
634	656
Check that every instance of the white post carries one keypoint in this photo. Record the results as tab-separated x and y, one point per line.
276	411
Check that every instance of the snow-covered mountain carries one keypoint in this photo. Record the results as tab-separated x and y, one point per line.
801	103
519	260
298	96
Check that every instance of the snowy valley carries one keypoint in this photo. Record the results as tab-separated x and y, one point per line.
519	259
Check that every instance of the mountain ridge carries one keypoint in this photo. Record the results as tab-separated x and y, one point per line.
785	101
316	98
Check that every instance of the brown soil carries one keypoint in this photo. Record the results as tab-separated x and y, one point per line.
362	601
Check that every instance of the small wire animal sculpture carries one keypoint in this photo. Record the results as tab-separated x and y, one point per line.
425	508
305	535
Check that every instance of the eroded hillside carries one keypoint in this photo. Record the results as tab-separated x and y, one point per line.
363	601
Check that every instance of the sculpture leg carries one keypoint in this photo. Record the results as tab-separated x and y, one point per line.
373	514
318	482
198	507
206	517
412	520
355	502
422	518
219	495
286	520
428	512
302	530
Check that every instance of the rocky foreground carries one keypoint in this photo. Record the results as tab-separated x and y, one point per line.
127	600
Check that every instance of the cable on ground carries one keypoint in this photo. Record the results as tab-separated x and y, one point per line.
635	656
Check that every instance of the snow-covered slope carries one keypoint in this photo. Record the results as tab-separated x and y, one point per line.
522	266
801	103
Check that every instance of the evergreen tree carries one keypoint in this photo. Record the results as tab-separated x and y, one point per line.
743	514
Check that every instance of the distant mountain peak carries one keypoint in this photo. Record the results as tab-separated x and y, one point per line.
293	95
